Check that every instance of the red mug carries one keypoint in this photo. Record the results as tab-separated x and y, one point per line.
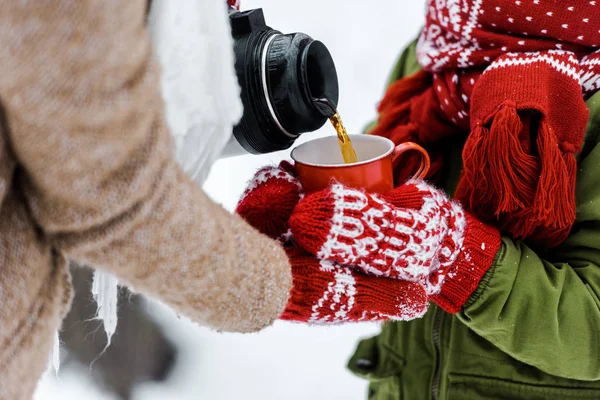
319	162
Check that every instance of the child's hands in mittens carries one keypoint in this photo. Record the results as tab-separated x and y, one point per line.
323	291
413	233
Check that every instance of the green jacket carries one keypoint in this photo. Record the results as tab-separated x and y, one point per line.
530	331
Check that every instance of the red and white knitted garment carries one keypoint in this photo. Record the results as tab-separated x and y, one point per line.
324	291
473	33
269	199
417	244
497	34
413	233
370	257
512	75
234	4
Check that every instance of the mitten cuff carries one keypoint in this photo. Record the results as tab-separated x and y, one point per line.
481	243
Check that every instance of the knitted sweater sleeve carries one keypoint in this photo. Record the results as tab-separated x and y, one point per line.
84	116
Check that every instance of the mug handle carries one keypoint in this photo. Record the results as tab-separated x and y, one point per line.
425	161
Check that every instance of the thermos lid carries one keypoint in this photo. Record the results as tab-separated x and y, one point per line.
281	77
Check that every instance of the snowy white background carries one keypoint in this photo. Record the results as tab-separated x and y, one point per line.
286	361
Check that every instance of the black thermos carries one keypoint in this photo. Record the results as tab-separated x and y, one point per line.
281	76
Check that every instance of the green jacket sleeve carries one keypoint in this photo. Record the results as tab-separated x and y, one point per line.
544	309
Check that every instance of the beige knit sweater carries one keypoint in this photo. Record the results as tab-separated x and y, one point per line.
87	173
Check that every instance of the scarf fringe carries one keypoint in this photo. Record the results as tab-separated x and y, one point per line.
498	173
555	196
105	291
473	174
522	191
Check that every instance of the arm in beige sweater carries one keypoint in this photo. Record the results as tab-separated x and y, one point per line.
85	120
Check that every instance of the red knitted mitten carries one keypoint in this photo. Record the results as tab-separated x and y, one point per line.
412	233
234	4
325	292
269	200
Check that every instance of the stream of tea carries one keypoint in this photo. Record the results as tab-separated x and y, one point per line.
344	140
327	108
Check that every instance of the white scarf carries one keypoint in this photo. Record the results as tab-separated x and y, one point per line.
193	44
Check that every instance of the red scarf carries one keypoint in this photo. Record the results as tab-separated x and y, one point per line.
514	74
